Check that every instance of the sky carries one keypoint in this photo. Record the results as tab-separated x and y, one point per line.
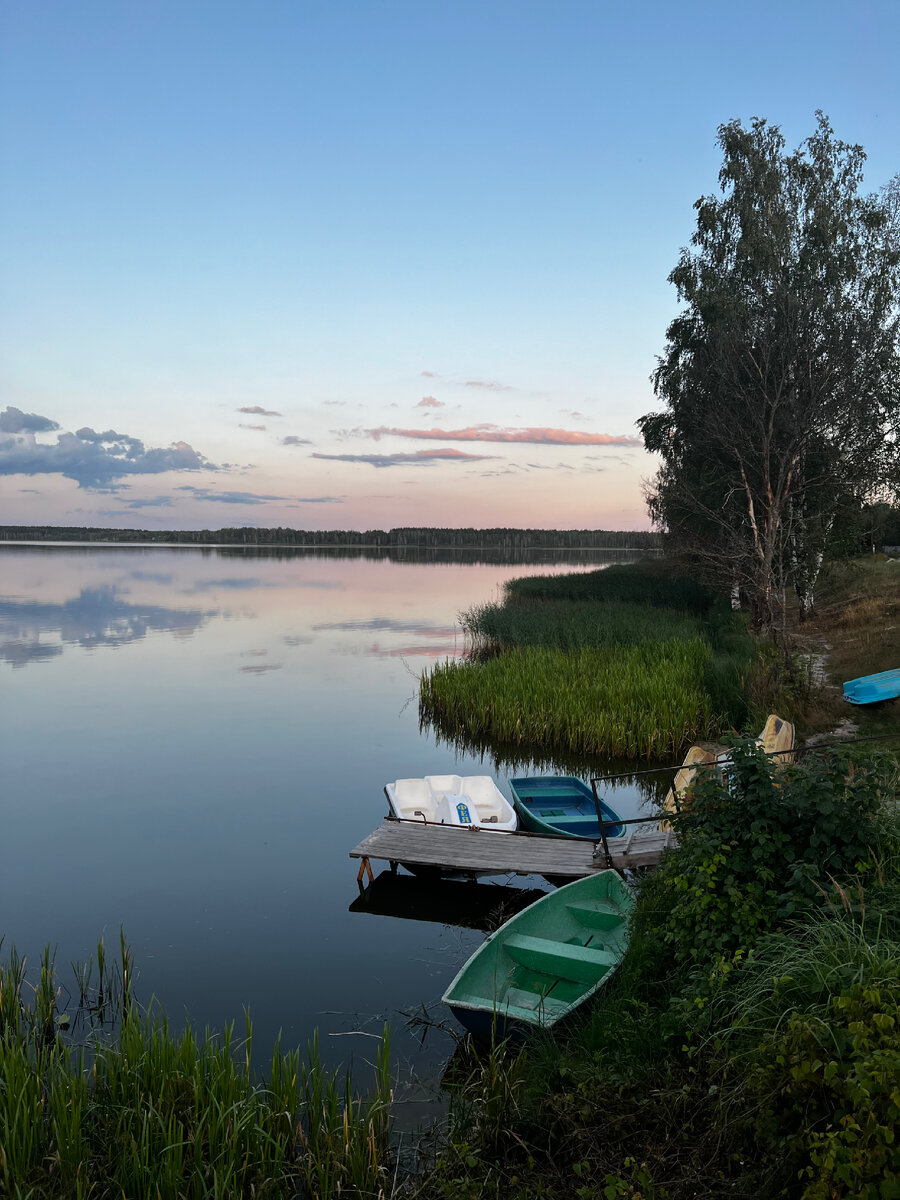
335	264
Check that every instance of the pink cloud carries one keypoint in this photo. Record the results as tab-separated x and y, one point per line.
538	436
421	458
429	374
430	402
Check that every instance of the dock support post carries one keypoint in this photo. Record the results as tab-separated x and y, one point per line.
606	853
364	867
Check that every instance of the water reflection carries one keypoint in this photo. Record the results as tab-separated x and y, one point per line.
644	786
412	555
384	624
98	616
422	556
467	905
205	784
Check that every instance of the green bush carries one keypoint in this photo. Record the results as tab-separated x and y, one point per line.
759	846
836	1103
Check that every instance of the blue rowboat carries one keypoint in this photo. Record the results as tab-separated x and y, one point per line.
561	805
869	689
545	961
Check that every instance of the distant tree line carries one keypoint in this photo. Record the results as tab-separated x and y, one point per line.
411	538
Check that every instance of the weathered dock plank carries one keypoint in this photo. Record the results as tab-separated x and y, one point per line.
468	848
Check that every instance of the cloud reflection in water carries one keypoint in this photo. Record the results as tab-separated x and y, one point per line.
97	617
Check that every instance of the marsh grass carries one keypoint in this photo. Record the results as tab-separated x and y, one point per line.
150	1113
633	661
635	701
653	583
574	624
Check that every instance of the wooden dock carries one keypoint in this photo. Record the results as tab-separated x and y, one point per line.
485	851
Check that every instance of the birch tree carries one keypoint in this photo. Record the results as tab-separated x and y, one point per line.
781	373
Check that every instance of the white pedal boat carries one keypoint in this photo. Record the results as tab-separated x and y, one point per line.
452	800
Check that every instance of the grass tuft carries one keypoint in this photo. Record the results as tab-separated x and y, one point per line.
150	1113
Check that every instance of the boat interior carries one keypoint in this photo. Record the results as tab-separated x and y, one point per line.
551	960
565	804
451	799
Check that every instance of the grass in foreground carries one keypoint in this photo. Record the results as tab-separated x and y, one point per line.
153	1115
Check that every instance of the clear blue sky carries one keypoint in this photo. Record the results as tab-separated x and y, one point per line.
375	220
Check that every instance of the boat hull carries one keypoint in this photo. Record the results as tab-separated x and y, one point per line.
871	689
546	962
561	805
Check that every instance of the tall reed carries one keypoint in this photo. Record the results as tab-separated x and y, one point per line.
572	624
151	1113
634	701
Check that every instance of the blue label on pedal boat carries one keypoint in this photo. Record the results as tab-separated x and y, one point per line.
463	811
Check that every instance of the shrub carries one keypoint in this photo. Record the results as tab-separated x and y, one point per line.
759	845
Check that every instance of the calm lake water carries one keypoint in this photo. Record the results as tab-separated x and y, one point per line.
193	740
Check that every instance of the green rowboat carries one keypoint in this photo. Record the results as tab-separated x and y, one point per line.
546	961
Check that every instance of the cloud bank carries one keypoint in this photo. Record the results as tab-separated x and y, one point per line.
419	458
293	440
92	459
254	410
197	493
535	435
490	385
13	420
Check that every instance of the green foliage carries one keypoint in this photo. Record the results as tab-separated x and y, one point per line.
780	371
836	1102
572	624
632	661
759	845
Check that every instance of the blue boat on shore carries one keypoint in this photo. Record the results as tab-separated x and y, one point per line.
562	805
869	689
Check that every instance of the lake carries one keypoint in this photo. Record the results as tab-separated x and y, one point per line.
193	740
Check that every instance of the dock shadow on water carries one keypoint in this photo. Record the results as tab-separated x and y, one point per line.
467	904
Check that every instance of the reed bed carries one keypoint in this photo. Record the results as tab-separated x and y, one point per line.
635	701
572	624
639	583
633	661
153	1114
